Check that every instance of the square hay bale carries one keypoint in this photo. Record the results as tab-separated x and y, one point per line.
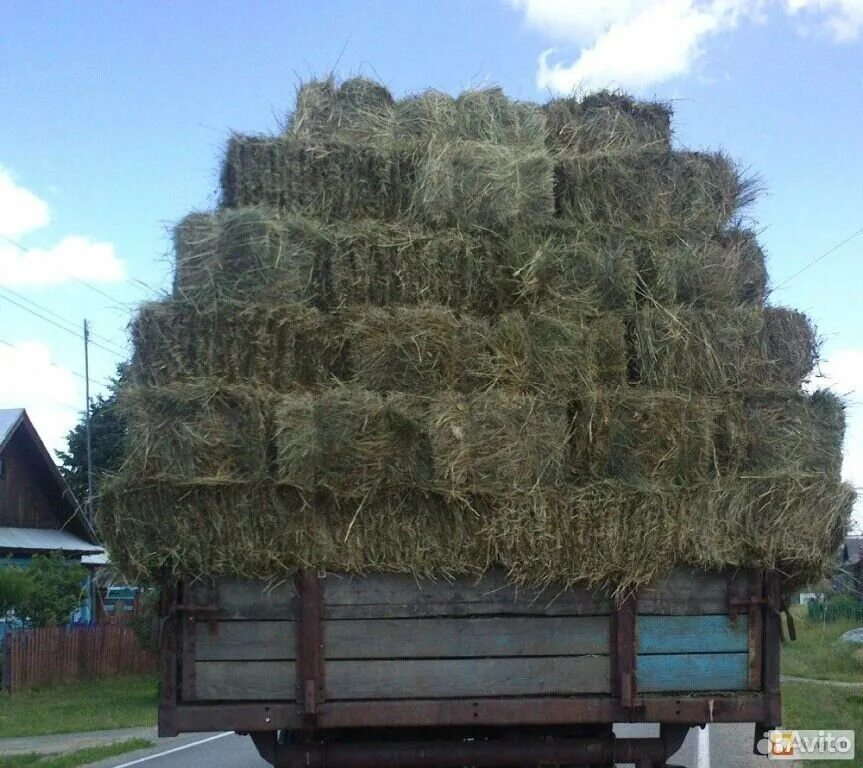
558	262
794	433
333	179
716	270
423	349
553	351
202	432
357	110
351	442
711	350
650	192
278	346
789	346
607	122
694	350
483	184
231	253
496	442
642	436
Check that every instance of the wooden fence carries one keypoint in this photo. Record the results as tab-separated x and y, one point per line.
39	657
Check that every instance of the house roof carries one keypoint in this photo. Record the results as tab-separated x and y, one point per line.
10	418
14	419
45	540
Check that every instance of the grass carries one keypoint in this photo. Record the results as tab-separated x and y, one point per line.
813	707
73	759
817	654
123	702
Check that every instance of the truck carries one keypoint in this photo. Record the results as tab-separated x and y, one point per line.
384	670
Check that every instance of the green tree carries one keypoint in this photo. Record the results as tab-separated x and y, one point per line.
107	429
14	587
54	591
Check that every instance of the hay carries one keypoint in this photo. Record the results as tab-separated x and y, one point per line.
641	437
718	270
201	432
363	110
794	432
651	192
421	349
434	335
247	253
481	183
607	122
337	179
721	350
624	537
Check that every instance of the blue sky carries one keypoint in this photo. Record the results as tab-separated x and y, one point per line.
114	116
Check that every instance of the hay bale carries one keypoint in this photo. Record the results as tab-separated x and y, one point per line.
202	432
496	442
715	270
360	110
276	346
794	433
789	345
336	179
642	436
351	442
485	184
650	192
721	350
607	122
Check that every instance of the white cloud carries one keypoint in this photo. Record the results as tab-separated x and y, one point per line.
48	392
843	18
21	213
842	371
20	210
73	256
635	43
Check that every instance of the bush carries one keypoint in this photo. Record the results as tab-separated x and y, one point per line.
836	608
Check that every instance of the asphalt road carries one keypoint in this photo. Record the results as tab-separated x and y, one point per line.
724	746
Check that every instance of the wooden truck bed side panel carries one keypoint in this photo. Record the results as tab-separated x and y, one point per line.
390	637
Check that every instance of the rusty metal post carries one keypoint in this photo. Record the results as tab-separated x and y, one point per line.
310	644
168	621
771	651
625	651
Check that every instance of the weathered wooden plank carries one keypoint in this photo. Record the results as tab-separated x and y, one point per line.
692	634
692	672
466	637
452	678
241	599
689	591
393	595
246	680
247	641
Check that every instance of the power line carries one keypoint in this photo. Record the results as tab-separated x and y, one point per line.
819	258
51	312
131	280
61	327
78	374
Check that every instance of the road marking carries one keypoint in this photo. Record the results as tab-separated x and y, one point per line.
175	749
702	759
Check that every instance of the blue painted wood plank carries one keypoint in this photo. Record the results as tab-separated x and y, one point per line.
692	634
692	672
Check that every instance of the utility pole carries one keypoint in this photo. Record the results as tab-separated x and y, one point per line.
89	502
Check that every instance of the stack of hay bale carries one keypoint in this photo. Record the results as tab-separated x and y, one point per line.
437	335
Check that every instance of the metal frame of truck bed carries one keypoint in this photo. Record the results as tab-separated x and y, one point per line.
460	729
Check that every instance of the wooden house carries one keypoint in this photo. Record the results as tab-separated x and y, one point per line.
38	512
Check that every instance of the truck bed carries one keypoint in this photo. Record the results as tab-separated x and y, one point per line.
331	651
